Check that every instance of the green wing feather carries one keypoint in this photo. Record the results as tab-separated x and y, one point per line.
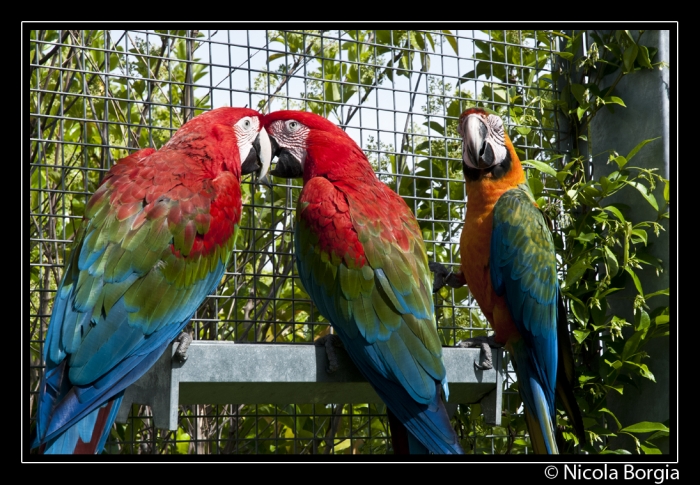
370	277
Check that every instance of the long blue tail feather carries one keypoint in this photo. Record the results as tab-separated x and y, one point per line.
427	423
88	435
539	409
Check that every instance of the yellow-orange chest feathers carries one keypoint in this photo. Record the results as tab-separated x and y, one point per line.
475	243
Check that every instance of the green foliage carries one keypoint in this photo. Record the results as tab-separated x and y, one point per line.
602	248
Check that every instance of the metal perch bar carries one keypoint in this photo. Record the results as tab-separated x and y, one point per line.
227	372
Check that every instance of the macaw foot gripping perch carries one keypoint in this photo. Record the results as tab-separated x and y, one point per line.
485	343
184	340
443	276
329	341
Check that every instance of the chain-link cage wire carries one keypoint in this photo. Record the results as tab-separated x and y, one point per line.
95	96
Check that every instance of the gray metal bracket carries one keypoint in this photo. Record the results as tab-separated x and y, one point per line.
227	372
492	403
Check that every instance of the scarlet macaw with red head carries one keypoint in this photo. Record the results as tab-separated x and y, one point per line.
361	258
154	242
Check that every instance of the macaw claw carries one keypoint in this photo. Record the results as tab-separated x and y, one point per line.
443	276
329	341
485	343
184	339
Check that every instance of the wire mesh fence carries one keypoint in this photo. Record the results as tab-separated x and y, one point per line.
95	96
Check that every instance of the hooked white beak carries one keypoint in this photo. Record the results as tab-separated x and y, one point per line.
265	156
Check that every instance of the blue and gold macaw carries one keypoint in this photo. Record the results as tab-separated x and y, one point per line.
508	261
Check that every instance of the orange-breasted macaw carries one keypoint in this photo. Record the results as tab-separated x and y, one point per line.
508	261
154	242
361	258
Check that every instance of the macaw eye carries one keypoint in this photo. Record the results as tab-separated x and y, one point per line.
245	123
293	125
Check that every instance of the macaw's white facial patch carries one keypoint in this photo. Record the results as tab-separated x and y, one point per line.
483	141
246	130
291	135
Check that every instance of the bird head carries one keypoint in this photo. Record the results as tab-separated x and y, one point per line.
308	145
239	134
486	149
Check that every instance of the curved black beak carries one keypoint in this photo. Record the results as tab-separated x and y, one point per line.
259	158
287	165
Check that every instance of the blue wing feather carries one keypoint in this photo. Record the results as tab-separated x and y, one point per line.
113	366
92	354
523	268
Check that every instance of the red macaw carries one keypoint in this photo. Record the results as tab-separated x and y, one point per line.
154	242
361	258
509	264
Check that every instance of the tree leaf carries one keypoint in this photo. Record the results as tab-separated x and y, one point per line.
641	234
645	193
620	161
611	414
183	441
643	370
434	125
631	345
432	42
661	320
635	278
613	100
342	445
639	146
541	166
451	40
629	56
575	272
645	427
642	320
611	261
580	335
643	57
579	92
579	310
566	55
418	40
597	313
616	212
658	434
658	293
585	237
649	449
581	110
536	186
